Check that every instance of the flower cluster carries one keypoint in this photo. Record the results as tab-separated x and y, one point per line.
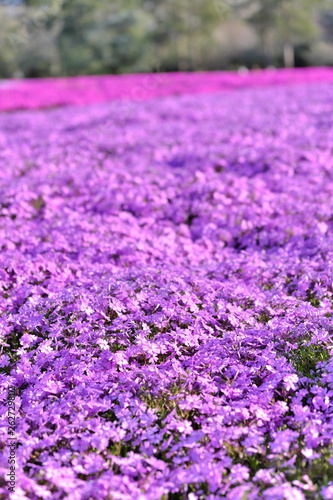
51	92
166	311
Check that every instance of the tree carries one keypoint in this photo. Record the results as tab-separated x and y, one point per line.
295	24
283	23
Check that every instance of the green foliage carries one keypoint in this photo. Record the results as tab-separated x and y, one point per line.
307	356
73	37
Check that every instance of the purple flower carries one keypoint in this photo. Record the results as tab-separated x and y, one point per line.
166	286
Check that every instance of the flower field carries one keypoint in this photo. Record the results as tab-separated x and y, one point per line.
80	90
166	275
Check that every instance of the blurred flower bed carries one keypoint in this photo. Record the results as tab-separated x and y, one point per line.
53	92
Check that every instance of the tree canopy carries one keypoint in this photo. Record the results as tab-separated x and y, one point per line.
72	37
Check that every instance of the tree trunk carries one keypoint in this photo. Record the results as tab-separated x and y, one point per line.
289	55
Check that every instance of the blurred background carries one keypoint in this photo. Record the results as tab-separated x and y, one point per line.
75	37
